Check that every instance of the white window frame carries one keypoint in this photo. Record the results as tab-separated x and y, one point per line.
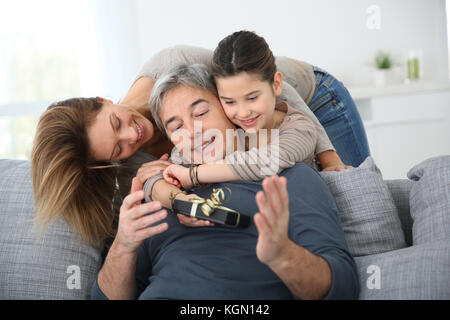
35	108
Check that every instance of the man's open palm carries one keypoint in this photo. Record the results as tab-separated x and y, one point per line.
272	219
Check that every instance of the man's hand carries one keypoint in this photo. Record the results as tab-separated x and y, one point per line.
117	277
307	275
150	169
134	222
178	176
272	220
191	221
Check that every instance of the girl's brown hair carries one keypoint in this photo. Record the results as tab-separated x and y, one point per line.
67	183
244	51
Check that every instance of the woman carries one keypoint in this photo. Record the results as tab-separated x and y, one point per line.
79	141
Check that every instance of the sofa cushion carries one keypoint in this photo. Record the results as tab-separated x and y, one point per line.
430	200
55	266
418	272
367	211
400	190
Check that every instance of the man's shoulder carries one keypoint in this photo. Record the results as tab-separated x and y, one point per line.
304	180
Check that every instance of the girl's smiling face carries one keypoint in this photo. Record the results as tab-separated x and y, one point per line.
248	101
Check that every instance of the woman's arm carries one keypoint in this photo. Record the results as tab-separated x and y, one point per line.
330	161
139	94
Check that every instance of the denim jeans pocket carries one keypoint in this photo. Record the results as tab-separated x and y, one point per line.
327	106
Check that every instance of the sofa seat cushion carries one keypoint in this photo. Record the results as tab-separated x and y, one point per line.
418	272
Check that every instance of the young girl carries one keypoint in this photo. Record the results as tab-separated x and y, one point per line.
248	85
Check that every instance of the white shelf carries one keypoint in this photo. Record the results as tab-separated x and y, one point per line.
369	92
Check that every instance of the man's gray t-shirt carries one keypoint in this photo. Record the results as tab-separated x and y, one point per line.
220	262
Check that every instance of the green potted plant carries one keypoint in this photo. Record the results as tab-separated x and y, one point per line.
383	64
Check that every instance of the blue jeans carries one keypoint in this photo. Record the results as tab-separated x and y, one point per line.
337	112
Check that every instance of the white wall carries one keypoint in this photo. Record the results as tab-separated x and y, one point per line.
118	57
329	33
334	35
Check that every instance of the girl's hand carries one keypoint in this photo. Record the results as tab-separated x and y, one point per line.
178	176
150	169
134	221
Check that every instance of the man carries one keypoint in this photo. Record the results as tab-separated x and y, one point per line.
294	247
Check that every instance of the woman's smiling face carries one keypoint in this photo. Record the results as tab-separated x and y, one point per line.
196	124
118	132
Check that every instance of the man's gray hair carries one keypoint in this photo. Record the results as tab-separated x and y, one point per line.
195	76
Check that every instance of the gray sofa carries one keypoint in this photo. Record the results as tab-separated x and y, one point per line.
57	266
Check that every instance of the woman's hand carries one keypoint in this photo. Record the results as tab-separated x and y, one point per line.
337	167
150	169
134	222
191	221
331	161
178	176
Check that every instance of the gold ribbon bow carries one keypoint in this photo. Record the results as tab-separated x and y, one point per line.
215	201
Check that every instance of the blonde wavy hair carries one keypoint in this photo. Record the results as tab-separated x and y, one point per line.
67	182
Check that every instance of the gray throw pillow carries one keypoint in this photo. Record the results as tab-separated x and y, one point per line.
367	211
53	267
430	200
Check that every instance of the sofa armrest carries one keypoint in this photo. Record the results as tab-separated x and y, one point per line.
52	267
